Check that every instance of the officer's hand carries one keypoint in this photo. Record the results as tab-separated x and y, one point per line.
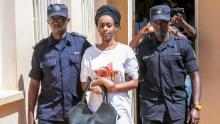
31	119
32	122
146	29
193	117
96	89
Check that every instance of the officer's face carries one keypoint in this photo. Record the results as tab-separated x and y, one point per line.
160	27
58	24
106	28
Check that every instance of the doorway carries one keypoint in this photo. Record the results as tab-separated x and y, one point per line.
142	8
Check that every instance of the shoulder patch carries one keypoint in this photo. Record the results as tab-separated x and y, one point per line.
78	34
39	43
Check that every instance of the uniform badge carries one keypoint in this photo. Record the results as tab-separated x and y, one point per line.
57	8
159	11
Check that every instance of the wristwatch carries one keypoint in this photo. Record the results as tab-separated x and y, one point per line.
197	106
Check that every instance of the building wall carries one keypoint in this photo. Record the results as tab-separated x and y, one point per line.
122	33
16	50
209	59
8	45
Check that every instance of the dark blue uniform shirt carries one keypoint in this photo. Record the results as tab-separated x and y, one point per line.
57	65
163	68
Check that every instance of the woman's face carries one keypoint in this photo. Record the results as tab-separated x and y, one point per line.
106	28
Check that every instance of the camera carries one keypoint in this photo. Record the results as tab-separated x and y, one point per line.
175	11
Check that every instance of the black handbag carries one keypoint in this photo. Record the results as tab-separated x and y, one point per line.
105	114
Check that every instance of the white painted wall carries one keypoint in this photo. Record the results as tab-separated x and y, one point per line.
24	38
0	44
8	45
82	18
16	41
76	16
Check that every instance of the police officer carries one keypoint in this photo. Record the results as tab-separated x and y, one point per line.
164	61
56	68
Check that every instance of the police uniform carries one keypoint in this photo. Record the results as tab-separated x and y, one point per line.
57	65
163	69
163	66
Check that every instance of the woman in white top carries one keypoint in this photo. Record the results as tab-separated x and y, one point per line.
106	64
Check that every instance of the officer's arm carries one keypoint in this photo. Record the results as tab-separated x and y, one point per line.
193	117
32	99
141	64
192	69
194	76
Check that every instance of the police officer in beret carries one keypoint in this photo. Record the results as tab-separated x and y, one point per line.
164	62
56	68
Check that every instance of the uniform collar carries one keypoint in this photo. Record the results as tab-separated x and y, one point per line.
60	44
68	38
163	45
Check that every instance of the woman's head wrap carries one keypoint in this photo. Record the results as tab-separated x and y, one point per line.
109	10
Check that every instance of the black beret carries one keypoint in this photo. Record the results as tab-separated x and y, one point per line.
108	10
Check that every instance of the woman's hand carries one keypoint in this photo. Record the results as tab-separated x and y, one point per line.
96	89
110	85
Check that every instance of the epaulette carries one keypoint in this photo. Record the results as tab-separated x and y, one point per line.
78	34
180	38
39	43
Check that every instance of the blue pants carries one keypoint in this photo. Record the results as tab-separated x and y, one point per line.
181	121
166	120
52	122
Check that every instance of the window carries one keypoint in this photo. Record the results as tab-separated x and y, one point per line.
41	29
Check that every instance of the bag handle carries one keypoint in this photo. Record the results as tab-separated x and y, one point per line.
105	96
84	93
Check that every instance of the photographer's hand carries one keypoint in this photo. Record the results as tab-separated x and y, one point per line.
178	20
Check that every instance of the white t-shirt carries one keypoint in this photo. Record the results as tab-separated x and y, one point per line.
112	64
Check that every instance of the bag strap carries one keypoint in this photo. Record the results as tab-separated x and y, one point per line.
84	93
105	92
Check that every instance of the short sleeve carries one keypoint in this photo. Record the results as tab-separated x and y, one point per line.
85	68
141	63
190	59
131	65
35	72
85	46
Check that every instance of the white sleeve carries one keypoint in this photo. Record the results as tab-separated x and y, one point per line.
131	65
85	69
